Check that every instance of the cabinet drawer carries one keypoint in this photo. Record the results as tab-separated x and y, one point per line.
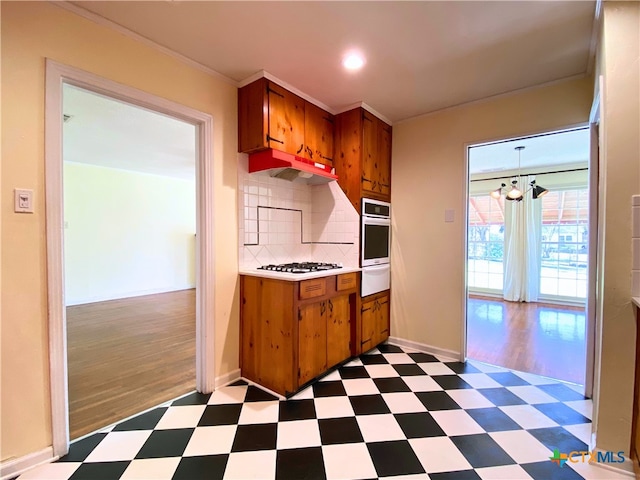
346	281
313	288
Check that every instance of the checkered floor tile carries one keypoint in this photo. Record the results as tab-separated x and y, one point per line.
390	413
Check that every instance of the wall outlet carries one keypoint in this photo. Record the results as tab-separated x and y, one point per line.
23	200
449	216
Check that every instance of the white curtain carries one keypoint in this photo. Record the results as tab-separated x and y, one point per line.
523	224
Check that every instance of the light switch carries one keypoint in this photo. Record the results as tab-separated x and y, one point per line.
448	216
23	200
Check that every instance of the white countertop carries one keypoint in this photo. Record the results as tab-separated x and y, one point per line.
295	277
636	300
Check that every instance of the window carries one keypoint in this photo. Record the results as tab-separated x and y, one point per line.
486	243
565	236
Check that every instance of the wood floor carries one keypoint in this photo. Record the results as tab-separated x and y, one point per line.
538	338
128	355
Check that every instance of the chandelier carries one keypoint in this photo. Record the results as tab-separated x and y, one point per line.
514	194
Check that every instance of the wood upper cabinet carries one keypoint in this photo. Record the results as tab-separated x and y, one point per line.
363	156
286	120
318	134
369	151
292	332
374	320
383	167
376	157
270	116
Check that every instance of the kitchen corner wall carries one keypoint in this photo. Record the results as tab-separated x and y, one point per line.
281	221
635	239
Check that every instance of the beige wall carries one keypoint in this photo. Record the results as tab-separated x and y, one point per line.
429	177
619	57
32	32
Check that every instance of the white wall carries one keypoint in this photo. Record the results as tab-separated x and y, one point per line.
126	233
428	171
32	32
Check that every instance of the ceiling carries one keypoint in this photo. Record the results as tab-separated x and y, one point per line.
109	133
421	56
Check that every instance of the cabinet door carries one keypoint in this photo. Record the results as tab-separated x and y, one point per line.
383	161
381	320
286	120
368	320
318	134
312	338
369	152
348	154
338	330
253	123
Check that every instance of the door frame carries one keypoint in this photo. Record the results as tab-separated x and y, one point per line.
591	333
58	74
590	310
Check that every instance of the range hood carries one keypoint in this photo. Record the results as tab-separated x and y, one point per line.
290	167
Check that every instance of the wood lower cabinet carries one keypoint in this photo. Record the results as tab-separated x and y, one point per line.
292	332
374	320
312	341
339	329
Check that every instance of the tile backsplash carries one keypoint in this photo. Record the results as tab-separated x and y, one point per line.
282	221
635	239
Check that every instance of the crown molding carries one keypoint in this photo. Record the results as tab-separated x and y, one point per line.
100	20
288	86
497	96
595	37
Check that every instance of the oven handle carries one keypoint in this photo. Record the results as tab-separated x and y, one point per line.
380	268
367	220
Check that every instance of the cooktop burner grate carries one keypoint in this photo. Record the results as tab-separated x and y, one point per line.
302	267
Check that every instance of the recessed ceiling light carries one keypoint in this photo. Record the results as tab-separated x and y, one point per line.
353	61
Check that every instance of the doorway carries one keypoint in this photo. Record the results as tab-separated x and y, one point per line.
528	254
129	259
58	75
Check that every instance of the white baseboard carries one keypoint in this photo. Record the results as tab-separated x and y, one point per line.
430	349
625	468
262	387
227	378
17	466
70	302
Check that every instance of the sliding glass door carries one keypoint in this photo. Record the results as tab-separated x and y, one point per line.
565	237
486	244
